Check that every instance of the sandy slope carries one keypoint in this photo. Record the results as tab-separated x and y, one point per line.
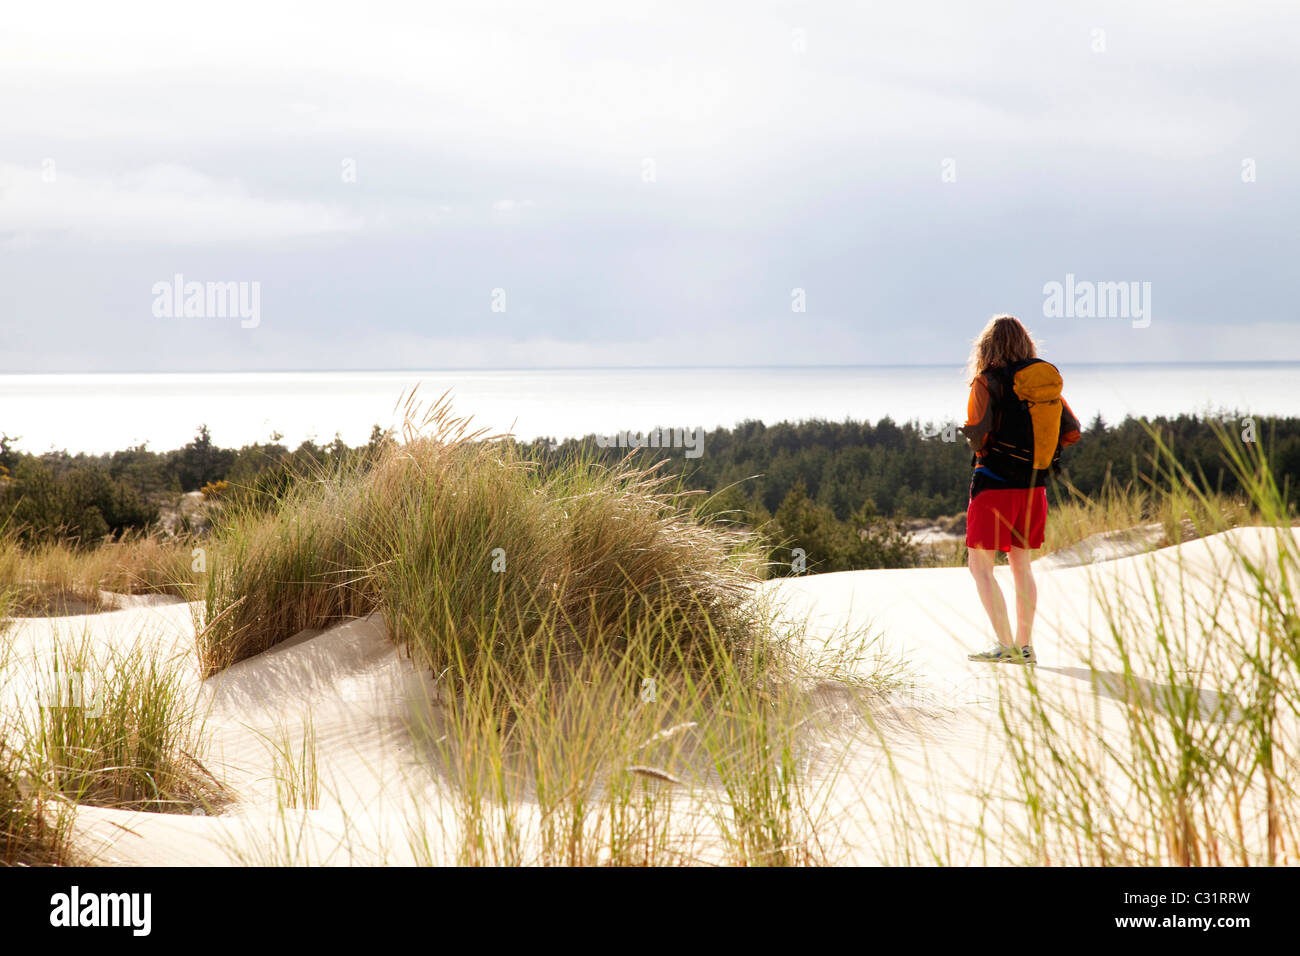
381	805
953	768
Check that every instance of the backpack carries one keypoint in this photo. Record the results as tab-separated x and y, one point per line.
1025	443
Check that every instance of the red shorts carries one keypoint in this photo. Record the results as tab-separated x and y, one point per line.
998	519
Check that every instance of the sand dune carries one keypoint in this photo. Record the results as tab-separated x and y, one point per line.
380	803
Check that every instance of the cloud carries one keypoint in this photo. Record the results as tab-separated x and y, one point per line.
158	203
504	144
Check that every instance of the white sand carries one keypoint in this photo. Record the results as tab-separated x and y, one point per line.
380	803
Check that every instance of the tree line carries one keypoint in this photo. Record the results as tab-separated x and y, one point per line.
838	490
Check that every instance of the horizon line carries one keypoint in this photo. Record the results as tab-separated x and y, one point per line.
608	368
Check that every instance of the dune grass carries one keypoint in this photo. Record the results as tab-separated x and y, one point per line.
464	545
599	657
1195	763
1152	517
1173	509
83	725
297	772
124	744
33	827
119	730
615	764
34	824
60	578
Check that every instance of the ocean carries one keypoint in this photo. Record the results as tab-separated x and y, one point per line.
106	412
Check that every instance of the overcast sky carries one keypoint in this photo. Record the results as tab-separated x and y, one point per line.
648	183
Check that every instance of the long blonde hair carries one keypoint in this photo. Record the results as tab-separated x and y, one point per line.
1003	342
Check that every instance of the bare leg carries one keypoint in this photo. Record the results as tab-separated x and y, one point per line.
981	563
1026	593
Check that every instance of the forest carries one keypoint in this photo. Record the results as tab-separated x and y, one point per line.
841	491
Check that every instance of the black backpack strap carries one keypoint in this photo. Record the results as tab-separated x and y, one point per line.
1006	379
1003	387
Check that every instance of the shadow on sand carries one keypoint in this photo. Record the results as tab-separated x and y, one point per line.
1199	703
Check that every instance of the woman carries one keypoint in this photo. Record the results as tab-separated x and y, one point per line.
1016	423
